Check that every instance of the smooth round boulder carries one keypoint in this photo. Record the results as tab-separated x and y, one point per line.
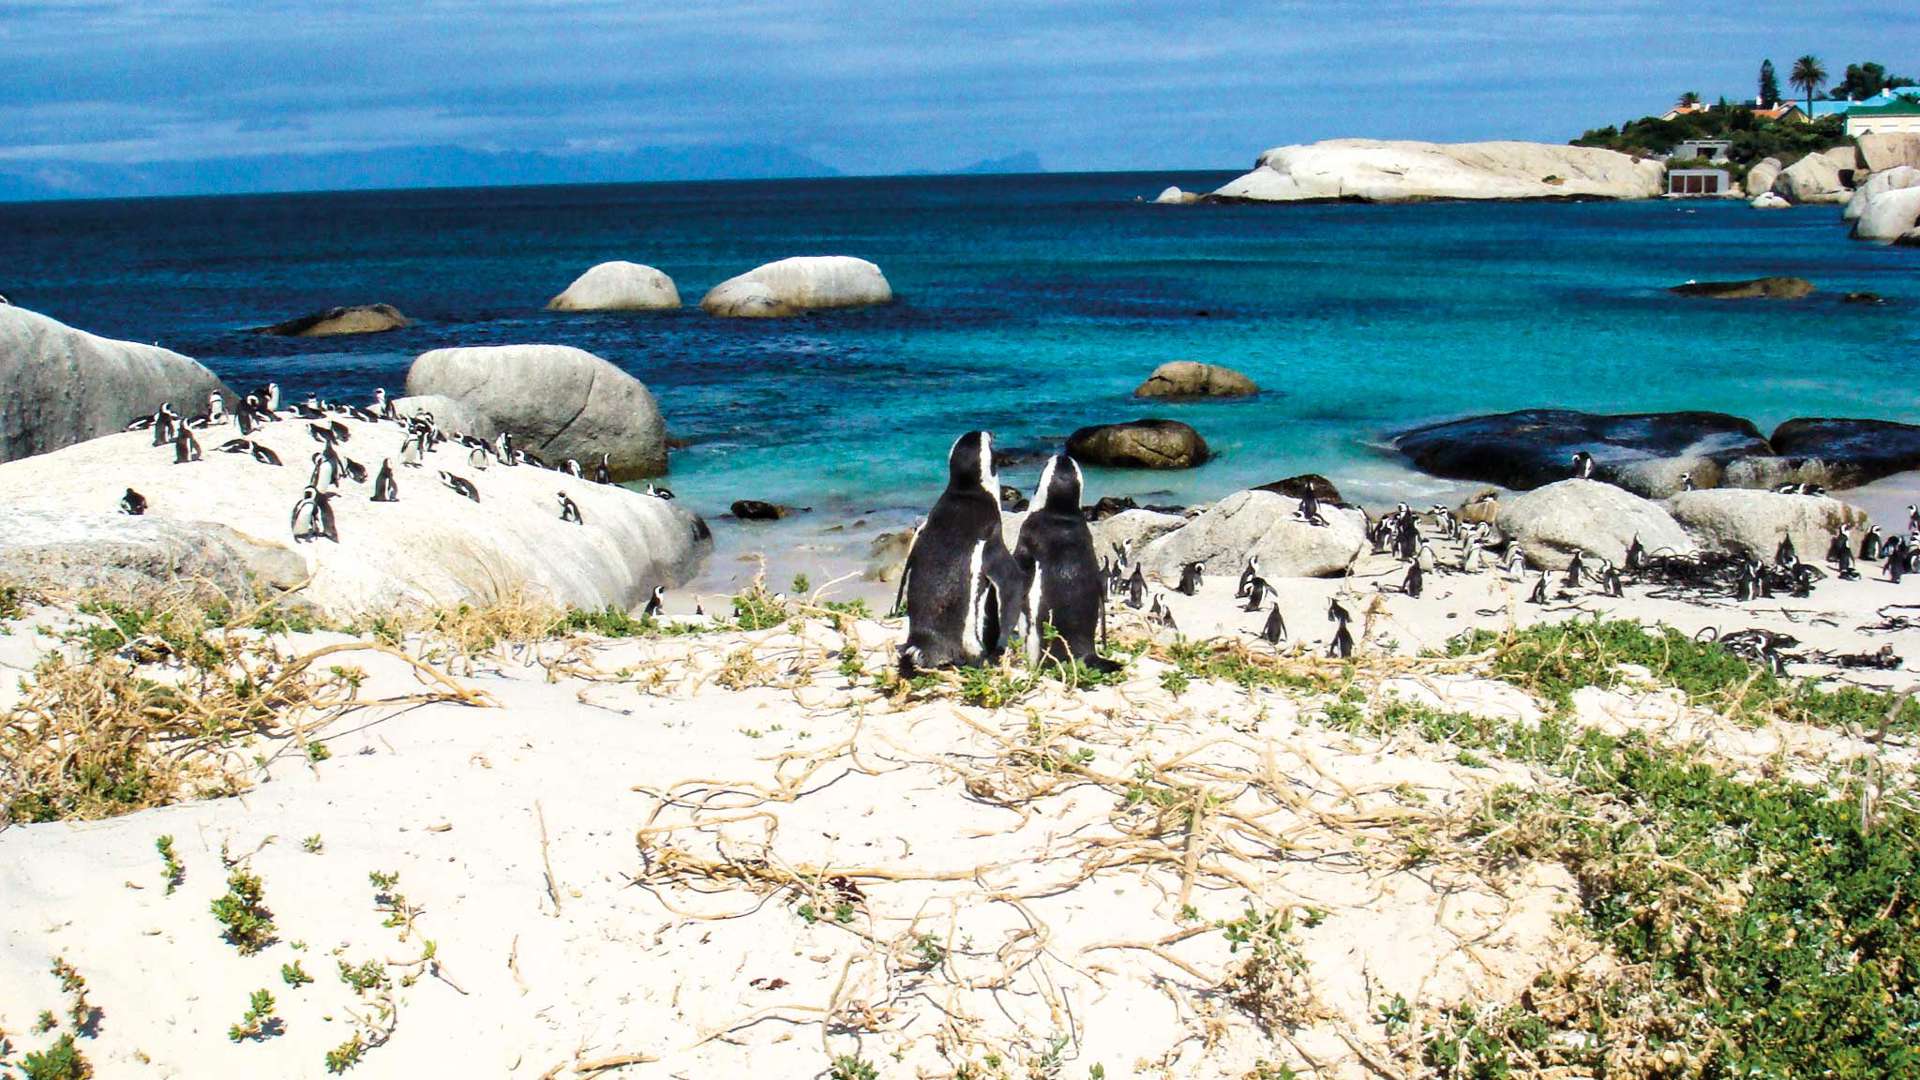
1190	379
1766	288
339	321
803	283
1297	487
1854	452
1596	519
1139	444
1173	196
557	401
1135	527
1657	478
1890	216
1881	151
1754	522
1767	200
1895	179
1260	523
1531	447
60	386
618	286
1813	179
1760	178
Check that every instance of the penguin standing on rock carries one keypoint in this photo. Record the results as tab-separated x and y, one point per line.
186	448
313	516
133	503
384	489
460	485
603	472
1064	603
961	586
1341	647
1275	631
569	510
1415	581
657	602
1870	544
1583	465
1190	577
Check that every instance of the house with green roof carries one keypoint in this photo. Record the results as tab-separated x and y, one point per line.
1899	115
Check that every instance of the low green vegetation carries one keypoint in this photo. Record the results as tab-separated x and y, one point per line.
241	910
172	871
1753	138
61	1061
259	1021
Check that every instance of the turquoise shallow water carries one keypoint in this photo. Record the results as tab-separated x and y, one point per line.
1028	304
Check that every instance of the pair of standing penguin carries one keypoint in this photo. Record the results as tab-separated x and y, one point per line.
966	595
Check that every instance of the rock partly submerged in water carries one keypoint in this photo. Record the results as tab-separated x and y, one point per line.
1854	452
556	401
1190	379
431	548
1767	200
1139	444
756	510
803	283
60	386
1754	522
1373	170
1596	519
1891	215
1265	524
1173	196
1297	487
1766	288
618	286
338	321
1531	447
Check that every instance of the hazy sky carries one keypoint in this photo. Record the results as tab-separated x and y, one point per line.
881	87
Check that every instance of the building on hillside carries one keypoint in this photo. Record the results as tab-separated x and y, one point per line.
1902	115
1786	112
1836	107
1714	150
1699	182
1683	110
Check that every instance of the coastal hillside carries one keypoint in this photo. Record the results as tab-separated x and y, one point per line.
1370	170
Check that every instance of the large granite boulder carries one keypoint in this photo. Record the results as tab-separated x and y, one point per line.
1531	447
1854	452
1260	523
1657	478
1904	176
1891	216
1754	522
1373	170
791	286
1190	379
335	322
1136	527
60	386
141	559
432	548
453	417
1767	200
1553	522
1769	471
1139	444
557	401
1297	487
618	286
1173	196
1883	150
1766	288
1813	179
1760	178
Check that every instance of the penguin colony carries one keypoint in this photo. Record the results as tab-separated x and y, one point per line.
330	473
967	598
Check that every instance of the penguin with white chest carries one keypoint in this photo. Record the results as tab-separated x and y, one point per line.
1065	593
961	585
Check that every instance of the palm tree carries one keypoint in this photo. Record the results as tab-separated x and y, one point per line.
1691	97
1809	76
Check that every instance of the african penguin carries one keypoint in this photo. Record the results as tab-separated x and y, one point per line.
133	503
1583	465
1063	602
460	485
1341	647
962	588
384	489
656	602
569	510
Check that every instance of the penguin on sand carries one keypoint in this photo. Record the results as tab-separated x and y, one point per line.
384	489
961	585
1064	602
133	503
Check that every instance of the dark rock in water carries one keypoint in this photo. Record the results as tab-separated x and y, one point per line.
1018	456
1296	487
1855	452
360	319
1863	298
1139	444
1011	500
1186	379
755	510
1109	506
1532	447
1766	288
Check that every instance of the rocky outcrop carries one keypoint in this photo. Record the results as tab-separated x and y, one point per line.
335	322
140	559
1813	179
1767	200
1854	452
1880	151
1260	523
1189	379
1760	178
1139	444
756	510
1769	471
1372	170
1891	214
805	283
1904	176
1296	487
453	417
1597	519
60	386
1766	288
433	547
1657	478
1136	527
1531	447
618	286
557	401
1173	196
1754	522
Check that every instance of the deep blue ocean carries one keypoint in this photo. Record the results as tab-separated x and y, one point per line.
1029	305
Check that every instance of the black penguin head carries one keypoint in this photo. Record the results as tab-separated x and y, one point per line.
1060	485
970	464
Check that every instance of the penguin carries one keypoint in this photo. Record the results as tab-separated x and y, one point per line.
1636	555
1064	591
1576	570
569	511
321	433
186	448
460	485
356	472
1415	581
381	406
1474	558
313	516
309	409
1136	589
1275	630
603	472
270	398
1913	513
1843	564
1610	581
246	417
572	468
1839	548
1189	580
962	587
1784	555
657	602
1686	481
164	423
1309	508
1516	562
1247	576
1870	544
503	449
412	450
658	492
1257	592
1896	567
133	503
521	457
1583	465
1166	620
1341	647
477	459
326	470
384	489
1539	593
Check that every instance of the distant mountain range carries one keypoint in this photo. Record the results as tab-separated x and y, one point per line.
423	167
399	167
